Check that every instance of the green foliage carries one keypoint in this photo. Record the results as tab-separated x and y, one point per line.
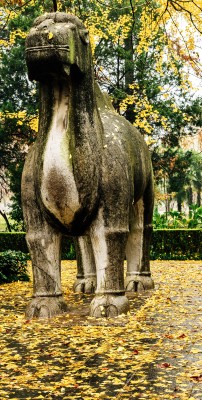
195	111
178	175
68	250
13	266
169	220
15	172
173	244
195	217
18	105
178	220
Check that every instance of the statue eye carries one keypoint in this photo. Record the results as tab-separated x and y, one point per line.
83	33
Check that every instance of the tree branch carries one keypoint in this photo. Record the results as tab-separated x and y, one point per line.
3	214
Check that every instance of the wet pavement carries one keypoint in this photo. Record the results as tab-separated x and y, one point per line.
154	353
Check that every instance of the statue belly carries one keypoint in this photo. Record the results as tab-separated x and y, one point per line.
58	187
59	193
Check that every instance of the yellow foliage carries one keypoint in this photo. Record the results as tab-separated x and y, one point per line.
21	117
3	43
15	34
145	113
33	123
113	21
102	26
50	35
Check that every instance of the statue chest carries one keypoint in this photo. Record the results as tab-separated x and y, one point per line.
58	187
69	161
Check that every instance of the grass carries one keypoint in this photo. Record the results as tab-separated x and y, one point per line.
2	224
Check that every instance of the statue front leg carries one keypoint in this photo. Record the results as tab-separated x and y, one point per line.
45	244
109	252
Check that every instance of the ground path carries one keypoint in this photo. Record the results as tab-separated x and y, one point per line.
153	353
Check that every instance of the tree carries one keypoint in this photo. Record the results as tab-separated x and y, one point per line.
196	177
181	176
142	53
18	103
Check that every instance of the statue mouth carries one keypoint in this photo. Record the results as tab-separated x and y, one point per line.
42	48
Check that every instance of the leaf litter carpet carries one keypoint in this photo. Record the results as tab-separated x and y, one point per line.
153	353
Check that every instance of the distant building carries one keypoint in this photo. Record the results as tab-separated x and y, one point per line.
192	142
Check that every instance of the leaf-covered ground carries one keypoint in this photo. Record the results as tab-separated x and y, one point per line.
153	353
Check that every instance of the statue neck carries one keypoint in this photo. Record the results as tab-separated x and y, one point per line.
69	105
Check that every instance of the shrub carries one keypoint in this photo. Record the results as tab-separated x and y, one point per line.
68	249
178	220
13	266
195	217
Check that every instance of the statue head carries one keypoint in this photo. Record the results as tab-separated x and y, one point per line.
56	44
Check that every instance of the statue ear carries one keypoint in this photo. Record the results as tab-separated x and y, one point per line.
83	33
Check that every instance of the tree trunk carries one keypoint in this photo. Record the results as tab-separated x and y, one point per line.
179	204
6	220
199	197
129	73
190	196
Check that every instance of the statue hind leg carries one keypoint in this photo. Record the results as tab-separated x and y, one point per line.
86	272
44	244
138	276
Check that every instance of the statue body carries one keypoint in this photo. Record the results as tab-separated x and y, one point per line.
88	175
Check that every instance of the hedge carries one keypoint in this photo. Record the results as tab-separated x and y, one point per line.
13	241
167	244
13	266
176	244
16	241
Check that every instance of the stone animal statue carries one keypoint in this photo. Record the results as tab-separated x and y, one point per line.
88	175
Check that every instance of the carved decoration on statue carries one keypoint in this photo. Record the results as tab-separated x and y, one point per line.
88	175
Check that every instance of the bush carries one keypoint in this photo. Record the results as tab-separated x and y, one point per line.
13	266
195	217
178	220
68	249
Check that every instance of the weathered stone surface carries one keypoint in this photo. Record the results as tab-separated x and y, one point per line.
88	175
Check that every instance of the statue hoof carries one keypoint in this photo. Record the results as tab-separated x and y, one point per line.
108	305
138	283
85	285
46	307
